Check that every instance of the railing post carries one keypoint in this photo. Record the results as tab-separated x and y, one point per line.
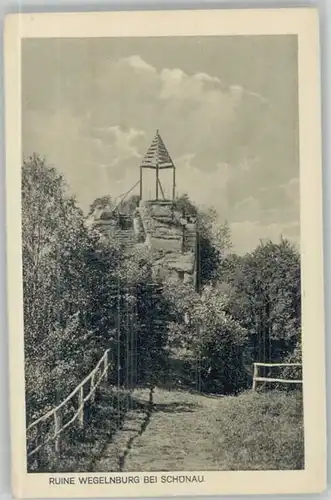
57	429
255	373
37	442
111	364
81	406
92	387
141	183
105	366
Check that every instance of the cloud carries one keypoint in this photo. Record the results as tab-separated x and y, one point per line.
206	78
231	149
240	91
270	205
187	108
120	143
198	87
248	234
206	188
138	63
92	165
249	207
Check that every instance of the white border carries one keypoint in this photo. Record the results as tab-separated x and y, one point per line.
304	23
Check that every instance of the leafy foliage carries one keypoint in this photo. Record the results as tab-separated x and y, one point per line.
214	239
84	292
101	202
55	244
265	297
210	337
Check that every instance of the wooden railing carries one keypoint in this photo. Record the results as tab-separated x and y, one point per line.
257	379
52	425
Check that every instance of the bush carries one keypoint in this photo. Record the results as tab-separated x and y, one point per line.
212	340
265	297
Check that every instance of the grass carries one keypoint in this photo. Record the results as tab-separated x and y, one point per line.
262	431
178	430
80	448
194	432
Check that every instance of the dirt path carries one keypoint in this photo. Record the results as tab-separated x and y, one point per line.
167	430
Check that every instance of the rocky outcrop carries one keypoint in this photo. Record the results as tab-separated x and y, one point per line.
170	237
172	240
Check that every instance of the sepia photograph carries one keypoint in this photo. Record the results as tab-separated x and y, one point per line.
161	257
160	211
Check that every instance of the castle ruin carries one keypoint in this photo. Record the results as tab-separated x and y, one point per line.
156	222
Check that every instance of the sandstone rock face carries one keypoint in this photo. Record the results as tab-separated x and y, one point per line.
171	238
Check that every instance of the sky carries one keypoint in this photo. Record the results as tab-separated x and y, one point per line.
226	108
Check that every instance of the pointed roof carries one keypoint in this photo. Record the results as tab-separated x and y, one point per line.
157	154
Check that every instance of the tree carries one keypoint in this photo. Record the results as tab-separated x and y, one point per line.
126	306
82	294
265	296
214	238
55	245
219	344
101	202
294	372
184	205
212	342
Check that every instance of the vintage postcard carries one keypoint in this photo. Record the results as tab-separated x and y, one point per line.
165	267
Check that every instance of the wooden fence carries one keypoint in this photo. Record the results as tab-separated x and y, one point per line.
52	423
257	379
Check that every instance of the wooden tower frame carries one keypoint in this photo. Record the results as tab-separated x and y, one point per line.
158	158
